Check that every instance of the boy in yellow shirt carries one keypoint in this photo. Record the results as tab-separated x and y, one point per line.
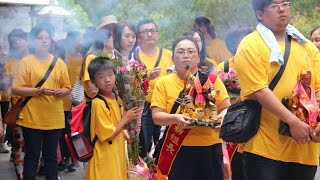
108	159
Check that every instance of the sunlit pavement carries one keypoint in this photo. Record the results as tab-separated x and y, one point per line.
7	171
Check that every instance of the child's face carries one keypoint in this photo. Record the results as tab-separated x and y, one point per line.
105	81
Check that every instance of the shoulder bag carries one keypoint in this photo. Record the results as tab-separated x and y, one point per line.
242	120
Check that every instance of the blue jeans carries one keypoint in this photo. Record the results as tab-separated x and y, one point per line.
150	130
258	167
36	141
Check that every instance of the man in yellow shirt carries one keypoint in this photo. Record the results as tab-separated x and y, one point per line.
215	47
269	155
157	62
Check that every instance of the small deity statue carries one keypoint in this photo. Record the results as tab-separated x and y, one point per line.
199	101
303	102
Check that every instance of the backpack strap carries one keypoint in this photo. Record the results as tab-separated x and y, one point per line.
96	137
101	98
226	66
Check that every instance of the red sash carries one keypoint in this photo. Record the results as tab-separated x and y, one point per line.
171	146
231	148
173	142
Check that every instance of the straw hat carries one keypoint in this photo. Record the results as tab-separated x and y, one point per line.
106	20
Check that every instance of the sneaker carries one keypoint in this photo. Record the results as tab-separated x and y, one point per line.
4	148
72	167
62	167
59	178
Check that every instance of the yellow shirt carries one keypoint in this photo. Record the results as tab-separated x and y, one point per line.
218	51
86	76
167	90
10	69
150	61
255	72
42	112
74	67
108	160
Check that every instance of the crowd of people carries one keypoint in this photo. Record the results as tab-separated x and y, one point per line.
44	71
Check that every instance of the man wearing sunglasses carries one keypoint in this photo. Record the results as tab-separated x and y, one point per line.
270	155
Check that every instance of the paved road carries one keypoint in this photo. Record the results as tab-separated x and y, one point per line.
7	171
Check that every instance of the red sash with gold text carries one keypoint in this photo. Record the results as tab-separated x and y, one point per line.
171	146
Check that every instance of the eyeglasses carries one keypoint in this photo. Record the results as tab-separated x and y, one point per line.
188	52
275	7
146	31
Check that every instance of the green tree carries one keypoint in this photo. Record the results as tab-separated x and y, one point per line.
80	20
305	15
176	16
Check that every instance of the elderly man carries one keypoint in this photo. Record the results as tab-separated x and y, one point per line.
157	61
269	155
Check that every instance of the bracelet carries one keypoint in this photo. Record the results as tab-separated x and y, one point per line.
38	92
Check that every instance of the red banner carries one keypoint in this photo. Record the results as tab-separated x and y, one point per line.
170	148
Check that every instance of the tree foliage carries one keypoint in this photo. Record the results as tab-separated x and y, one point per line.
173	17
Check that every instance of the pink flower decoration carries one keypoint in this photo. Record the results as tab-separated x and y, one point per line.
232	73
233	85
127	86
123	69
128	68
223	76
238	85
132	62
133	98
